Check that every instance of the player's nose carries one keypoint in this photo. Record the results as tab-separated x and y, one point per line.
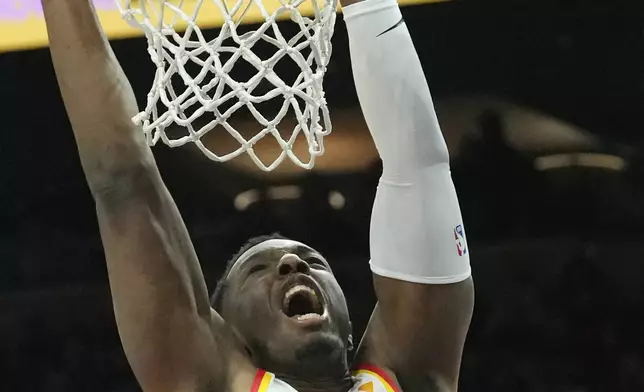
290	264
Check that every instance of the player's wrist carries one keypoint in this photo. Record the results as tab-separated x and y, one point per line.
360	7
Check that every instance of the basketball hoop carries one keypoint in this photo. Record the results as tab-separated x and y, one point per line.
179	97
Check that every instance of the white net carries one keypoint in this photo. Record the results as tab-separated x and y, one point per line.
193	87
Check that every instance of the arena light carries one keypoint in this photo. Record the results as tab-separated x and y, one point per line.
282	192
22	25
589	160
336	200
246	199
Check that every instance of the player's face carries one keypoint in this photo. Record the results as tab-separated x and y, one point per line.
286	304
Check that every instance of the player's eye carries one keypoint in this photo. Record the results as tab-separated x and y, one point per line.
316	263
256	268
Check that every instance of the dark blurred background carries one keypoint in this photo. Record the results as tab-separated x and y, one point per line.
541	105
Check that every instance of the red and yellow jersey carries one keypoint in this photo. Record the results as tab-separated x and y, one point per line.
367	378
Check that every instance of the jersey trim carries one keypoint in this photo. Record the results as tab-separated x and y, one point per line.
373	370
262	381
420	279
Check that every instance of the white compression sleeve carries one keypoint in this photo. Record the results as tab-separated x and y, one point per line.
416	226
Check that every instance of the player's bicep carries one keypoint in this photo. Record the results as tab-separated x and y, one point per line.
418	331
159	295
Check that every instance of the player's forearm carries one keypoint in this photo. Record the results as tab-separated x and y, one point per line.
97	95
118	164
416	230
392	90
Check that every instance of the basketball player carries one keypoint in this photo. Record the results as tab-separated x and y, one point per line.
278	321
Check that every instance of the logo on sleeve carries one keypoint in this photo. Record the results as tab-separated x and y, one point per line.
459	236
401	21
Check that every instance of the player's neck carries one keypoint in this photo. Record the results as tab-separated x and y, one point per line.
319	384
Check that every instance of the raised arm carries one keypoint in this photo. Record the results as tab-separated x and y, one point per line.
419	256
159	294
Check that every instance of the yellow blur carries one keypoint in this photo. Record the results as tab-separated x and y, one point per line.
23	28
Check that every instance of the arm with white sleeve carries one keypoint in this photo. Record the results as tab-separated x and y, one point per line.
419	255
416	215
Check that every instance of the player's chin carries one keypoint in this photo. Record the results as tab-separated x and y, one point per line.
310	335
320	347
313	334
310	348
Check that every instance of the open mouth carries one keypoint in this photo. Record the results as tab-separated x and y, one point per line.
302	303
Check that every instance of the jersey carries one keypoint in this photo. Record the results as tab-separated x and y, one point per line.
367	378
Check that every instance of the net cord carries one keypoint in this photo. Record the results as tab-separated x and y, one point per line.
171	51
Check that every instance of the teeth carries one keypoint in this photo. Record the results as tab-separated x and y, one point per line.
297	289
309	316
306	291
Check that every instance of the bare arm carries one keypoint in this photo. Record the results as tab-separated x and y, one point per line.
159	294
418	331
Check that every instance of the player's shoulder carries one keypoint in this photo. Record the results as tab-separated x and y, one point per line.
372	378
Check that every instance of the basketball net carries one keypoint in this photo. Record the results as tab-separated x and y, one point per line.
211	89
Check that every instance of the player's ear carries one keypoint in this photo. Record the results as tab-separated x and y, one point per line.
350	339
